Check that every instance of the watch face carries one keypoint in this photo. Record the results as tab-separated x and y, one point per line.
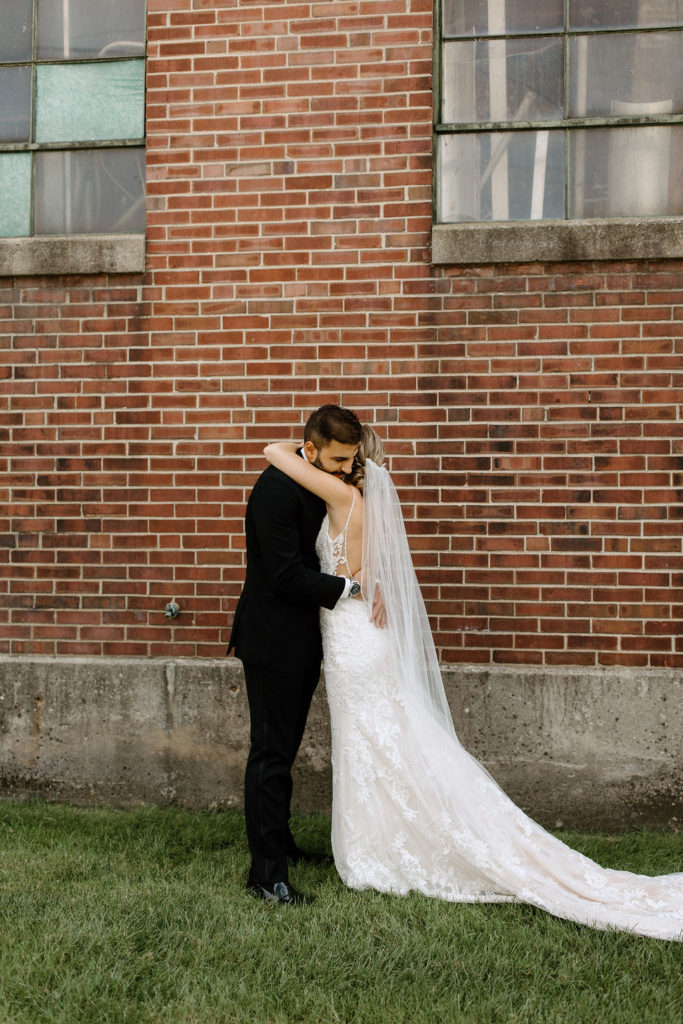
355	589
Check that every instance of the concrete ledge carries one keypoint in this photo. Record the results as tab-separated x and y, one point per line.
596	748
72	254
526	241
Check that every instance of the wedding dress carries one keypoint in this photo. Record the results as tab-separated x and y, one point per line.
412	810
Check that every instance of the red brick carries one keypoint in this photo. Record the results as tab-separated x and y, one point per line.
529	410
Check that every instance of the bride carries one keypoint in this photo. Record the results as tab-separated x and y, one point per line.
411	809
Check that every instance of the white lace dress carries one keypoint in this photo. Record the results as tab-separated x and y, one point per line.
413	811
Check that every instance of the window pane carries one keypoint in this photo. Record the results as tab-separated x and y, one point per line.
15	194
79	102
503	80
624	13
90	28
630	68
16	38
15	104
498	17
626	172
501	176
89	191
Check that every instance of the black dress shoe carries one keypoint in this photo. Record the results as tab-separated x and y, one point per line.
281	892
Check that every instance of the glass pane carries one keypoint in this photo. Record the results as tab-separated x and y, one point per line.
16	38
501	176
626	172
89	191
79	102
501	17
629	71
15	104
91	28
586	14
503	80
15	194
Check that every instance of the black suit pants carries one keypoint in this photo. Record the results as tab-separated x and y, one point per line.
278	705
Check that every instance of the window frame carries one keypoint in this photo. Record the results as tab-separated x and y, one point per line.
77	253
502	241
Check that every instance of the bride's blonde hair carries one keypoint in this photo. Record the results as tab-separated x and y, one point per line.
372	448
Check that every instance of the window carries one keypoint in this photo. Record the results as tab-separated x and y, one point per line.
72	117
559	110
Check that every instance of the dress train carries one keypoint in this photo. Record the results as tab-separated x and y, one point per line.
413	811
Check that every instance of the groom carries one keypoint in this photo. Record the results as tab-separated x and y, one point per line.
276	635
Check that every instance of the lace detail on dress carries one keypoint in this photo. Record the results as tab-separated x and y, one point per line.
413	811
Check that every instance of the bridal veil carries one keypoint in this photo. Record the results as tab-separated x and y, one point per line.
414	810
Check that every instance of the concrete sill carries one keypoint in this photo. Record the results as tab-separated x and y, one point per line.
72	254
625	238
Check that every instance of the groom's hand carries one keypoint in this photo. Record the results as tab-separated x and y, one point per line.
379	612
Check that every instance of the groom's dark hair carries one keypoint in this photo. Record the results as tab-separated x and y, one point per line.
333	423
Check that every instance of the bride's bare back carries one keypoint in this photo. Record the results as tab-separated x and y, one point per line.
348	516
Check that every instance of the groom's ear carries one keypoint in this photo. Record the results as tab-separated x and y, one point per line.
310	451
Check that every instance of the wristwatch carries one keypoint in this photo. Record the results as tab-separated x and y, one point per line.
355	589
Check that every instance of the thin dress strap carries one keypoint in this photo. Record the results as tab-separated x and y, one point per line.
346	528
348	518
339	554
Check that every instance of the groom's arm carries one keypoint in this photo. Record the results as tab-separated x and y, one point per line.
275	517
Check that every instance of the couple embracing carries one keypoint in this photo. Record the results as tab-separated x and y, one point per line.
329	574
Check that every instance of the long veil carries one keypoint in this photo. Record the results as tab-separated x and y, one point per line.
387	564
458	835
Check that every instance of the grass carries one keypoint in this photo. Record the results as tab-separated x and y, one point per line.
140	916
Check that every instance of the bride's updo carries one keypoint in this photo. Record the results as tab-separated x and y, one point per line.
372	448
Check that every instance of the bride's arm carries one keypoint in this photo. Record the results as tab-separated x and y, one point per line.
284	456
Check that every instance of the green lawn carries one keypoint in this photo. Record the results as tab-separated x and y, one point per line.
140	916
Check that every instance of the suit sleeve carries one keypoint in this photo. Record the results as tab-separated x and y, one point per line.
275	520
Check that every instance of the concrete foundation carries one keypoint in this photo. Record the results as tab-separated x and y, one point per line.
580	748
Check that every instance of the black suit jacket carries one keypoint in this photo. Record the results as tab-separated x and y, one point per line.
276	622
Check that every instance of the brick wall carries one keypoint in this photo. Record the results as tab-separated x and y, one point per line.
530	411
